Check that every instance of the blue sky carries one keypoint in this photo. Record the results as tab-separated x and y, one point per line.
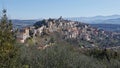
35	9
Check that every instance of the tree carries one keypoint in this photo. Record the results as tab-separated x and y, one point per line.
7	41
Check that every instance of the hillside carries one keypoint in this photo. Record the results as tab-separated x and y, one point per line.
63	43
107	27
77	33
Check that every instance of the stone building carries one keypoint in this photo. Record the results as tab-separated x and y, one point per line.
23	34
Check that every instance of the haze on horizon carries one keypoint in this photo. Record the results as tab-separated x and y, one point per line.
35	9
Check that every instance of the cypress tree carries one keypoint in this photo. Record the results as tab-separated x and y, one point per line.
8	51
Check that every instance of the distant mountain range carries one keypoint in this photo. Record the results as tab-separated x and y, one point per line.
22	23
108	27
109	23
113	19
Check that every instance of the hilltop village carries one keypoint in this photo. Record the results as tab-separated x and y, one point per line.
70	30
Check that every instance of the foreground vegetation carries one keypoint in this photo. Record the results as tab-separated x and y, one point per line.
63	55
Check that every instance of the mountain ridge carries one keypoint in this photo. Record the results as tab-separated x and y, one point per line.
96	19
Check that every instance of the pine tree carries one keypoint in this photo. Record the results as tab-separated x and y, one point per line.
8	51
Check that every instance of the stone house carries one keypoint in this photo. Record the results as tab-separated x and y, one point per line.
23	34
